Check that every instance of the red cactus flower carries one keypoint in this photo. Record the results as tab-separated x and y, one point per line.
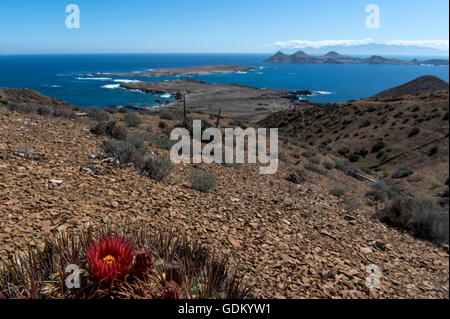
143	262
171	291
109	258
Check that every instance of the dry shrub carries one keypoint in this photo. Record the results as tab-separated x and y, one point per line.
98	115
125	151
156	167
112	129
132	119
202	180
44	110
297	177
421	218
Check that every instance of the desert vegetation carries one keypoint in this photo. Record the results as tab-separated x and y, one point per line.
419	216
132	263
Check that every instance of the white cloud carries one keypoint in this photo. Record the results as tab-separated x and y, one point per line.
299	44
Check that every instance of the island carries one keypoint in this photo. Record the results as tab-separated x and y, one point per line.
336	58
184	71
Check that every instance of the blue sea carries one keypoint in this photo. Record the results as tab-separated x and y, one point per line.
61	76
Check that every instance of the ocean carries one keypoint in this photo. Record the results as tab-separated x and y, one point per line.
61	76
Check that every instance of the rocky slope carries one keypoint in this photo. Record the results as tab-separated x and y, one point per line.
293	240
25	96
381	135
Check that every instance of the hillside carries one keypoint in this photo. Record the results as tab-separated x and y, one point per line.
304	240
423	84
25	96
382	135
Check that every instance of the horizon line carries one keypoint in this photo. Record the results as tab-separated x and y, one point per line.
444	53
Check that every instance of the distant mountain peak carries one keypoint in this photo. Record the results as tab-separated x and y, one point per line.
333	57
332	53
300	54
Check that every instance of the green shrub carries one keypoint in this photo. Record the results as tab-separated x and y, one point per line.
98	115
378	146
445	192
297	177
414	132
124	110
156	167
132	119
315	169
328	165
162	125
171	115
402	173
384	190
367	170
45	110
125	151
365	124
421	218
354	158
138	142
308	154
337	192
363	152
445	117
112	129
343	151
342	166
202	180
433	150
112	109
162	142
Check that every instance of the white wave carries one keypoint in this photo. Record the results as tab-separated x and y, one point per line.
95	79
137	91
166	96
111	86
314	93
322	92
241	72
126	81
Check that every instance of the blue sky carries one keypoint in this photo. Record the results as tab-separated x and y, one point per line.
210	26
